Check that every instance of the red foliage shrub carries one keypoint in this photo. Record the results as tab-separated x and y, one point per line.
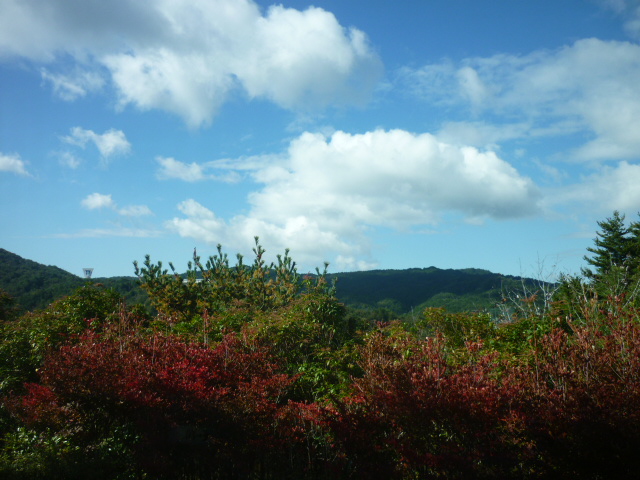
195	408
574	413
568	409
412	414
581	400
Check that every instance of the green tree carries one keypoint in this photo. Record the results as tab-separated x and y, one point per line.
216	287
7	306
614	272
615	259
612	246
25	341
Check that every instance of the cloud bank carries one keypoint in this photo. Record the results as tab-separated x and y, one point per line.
590	87
187	56
326	193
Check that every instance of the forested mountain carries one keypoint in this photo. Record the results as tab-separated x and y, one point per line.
403	290
34	286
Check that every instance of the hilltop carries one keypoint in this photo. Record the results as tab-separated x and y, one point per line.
396	292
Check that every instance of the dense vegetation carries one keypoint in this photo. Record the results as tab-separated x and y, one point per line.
258	372
377	294
34	286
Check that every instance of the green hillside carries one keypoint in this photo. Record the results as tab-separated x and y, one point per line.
35	286
403	290
32	284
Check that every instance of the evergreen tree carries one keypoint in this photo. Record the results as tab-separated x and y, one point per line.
615	259
634	247
612	248
7	306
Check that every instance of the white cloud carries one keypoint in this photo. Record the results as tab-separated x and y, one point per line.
110	143
170	168
629	10
325	194
307	58
592	87
75	85
185	56
14	164
111	232
611	188
96	201
69	160
472	86
135	211
480	134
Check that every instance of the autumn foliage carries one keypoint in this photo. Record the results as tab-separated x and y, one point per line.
290	388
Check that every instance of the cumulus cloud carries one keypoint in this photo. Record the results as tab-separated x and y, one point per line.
96	201
110	143
14	164
592	86
185	56
172	168
326	193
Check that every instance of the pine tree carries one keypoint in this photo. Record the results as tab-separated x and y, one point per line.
612	247
633	254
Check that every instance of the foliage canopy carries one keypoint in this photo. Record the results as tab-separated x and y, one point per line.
251	371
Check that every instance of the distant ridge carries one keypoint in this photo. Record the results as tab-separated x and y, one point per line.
34	286
416	288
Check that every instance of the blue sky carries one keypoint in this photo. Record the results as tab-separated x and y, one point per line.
369	134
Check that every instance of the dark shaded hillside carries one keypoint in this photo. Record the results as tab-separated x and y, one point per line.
32	284
403	290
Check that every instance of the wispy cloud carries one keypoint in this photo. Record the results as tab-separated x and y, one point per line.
135	211
111	232
68	159
111	143
591	86
609	188
74	85
97	201
629	10
170	168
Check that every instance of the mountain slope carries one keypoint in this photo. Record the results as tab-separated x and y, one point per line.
34	286
403	290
